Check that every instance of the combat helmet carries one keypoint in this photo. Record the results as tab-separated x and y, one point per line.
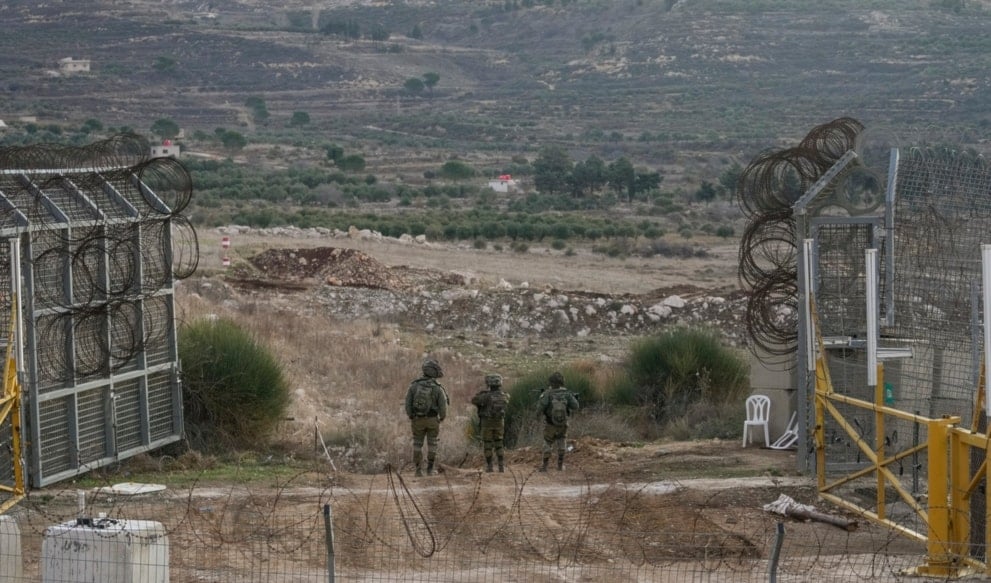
493	380
556	379
431	369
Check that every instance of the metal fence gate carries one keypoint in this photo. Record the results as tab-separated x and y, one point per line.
91	233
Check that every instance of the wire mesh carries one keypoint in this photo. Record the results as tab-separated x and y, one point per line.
451	528
96	223
928	233
942	214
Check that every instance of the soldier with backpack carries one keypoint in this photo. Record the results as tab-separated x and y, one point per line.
557	404
491	404
426	407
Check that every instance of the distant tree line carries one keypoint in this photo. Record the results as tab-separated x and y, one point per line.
554	172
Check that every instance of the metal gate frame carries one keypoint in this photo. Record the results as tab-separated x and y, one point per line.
79	422
951	487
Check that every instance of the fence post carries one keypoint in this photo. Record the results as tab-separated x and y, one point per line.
328	525
779	539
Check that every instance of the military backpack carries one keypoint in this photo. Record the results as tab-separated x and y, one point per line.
558	408
498	402
423	397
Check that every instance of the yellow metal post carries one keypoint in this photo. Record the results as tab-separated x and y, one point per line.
10	403
959	495
879	438
822	390
939	560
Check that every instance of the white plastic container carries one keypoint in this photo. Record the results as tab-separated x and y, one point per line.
105	550
11	563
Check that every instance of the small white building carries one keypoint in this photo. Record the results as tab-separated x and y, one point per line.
68	66
165	150
504	183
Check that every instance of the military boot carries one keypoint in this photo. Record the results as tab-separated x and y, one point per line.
430	467
547	459
502	468
560	461
488	464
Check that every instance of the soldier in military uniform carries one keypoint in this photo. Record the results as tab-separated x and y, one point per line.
557	404
426	407
491	404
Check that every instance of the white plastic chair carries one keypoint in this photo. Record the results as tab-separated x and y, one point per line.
789	438
758	411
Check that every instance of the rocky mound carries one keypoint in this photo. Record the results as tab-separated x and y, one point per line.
523	312
350	284
327	265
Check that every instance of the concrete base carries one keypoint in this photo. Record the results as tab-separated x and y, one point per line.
11	562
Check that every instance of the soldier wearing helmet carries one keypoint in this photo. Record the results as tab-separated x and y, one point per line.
426	407
557	404
491	403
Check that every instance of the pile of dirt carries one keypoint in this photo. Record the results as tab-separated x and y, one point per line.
327	265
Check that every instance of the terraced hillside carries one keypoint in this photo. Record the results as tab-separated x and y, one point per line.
684	85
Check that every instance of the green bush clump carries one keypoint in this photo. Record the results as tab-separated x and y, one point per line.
683	384
234	390
674	371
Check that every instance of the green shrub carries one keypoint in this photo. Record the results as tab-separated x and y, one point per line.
725	231
456	170
623	391
234	390
682	367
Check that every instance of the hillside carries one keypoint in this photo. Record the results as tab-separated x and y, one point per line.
688	87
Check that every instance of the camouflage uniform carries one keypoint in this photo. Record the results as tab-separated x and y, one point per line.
491	420
555	435
427	425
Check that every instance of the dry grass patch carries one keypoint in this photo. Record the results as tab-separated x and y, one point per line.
348	383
